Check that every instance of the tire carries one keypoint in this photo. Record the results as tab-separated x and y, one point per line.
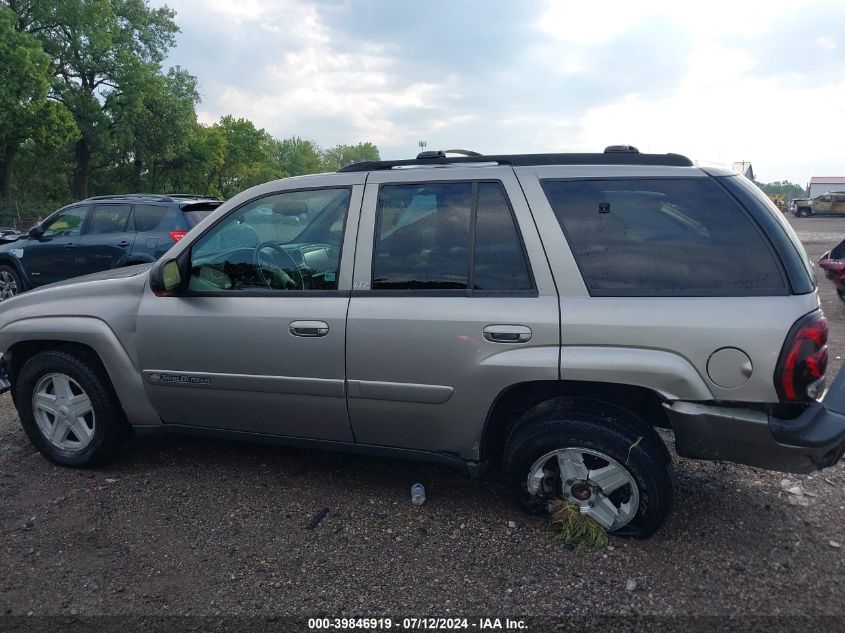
608	438
804	213
60	380
10	283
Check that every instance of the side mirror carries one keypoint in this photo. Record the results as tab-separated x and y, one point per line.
166	278
36	232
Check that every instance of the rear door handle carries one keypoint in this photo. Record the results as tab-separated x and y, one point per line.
309	328
69	245
507	333
123	244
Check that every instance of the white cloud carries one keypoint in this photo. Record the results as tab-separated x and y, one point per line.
662	75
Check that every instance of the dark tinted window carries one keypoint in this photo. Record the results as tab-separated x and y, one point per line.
109	218
148	217
195	217
663	237
423	237
499	257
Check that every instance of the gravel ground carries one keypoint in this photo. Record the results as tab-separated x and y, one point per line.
186	526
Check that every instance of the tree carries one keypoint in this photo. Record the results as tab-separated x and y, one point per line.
788	189
343	155
297	156
249	156
103	54
154	130
24	111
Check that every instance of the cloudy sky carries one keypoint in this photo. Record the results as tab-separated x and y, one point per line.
722	80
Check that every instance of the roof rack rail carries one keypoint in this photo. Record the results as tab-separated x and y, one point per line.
128	195
164	197
611	156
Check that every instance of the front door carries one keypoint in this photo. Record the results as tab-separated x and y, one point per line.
52	257
256	343
453	303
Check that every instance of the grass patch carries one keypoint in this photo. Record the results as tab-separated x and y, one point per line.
573	528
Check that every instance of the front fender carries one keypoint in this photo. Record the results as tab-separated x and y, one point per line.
670	375
15	263
97	335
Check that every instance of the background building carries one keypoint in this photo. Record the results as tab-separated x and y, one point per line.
822	184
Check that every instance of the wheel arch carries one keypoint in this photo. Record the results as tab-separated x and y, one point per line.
88	336
513	402
14	262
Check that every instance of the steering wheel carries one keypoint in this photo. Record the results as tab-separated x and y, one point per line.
289	281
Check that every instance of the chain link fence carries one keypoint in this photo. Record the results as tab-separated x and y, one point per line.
14	216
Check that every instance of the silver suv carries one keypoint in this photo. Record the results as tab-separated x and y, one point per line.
543	313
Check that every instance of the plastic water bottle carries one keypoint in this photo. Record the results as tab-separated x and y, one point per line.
418	494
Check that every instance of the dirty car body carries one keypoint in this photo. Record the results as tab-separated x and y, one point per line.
542	313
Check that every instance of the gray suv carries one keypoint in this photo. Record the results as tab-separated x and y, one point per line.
540	313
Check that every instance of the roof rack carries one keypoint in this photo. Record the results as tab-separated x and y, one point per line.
163	197
612	155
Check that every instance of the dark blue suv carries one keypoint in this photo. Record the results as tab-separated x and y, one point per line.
97	234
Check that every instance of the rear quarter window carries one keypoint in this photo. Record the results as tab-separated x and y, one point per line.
148	217
663	237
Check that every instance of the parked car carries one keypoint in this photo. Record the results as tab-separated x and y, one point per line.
543	314
830	202
833	263
97	234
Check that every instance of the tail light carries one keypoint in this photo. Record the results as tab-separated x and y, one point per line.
177	235
799	376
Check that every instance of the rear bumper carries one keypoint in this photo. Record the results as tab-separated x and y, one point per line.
812	441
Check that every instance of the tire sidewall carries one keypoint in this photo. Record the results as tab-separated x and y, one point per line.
35	369
14	273
652	477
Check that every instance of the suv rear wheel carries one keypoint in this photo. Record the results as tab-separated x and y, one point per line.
69	411
599	457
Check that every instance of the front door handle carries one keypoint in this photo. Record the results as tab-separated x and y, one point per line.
69	245
123	244
507	333
309	328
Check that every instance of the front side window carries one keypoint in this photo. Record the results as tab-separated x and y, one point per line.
663	237
458	236
287	241
109	218
68	223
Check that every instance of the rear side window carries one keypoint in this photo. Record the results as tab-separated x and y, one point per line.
499	256
457	236
148	217
663	237
195	217
109	218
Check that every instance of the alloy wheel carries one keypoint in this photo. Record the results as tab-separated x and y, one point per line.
603	489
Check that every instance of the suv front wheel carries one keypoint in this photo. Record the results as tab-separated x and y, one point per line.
69	410
598	457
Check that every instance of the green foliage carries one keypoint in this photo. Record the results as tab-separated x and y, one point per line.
573	528
297	156
25	111
248	156
86	109
789	189
343	155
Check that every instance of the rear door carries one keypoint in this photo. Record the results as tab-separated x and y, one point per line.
452	292
107	239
